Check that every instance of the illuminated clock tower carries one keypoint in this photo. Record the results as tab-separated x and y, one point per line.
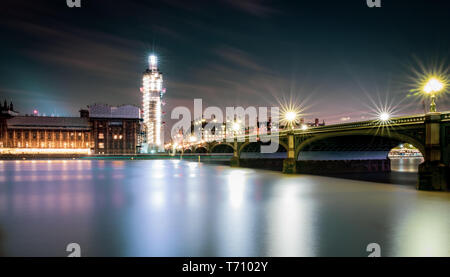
152	89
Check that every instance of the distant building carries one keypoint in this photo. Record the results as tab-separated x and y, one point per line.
43	134
102	129
301	122
115	130
316	123
6	112
203	130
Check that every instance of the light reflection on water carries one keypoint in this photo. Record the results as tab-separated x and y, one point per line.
178	208
405	164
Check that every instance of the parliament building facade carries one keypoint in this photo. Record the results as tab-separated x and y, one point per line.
100	129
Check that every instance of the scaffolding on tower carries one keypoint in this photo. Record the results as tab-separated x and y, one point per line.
152	90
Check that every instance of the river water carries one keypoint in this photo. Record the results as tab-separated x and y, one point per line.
181	208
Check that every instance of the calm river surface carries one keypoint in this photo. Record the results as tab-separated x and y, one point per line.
180	208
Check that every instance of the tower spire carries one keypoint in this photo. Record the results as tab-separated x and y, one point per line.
153	63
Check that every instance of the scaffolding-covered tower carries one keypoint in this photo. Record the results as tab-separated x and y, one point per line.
152	89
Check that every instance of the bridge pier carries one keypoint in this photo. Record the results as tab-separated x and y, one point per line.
235	160
290	164
432	172
432	176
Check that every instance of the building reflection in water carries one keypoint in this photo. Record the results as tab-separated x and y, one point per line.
235	216
236	187
408	164
37	189
180	208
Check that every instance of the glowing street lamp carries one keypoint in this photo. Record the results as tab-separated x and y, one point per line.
433	86
384	116
290	117
236	126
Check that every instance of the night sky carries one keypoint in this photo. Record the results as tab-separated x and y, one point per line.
338	58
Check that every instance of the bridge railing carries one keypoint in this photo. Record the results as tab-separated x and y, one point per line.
375	123
404	120
445	116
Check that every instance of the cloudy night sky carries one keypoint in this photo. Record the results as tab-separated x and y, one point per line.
338	58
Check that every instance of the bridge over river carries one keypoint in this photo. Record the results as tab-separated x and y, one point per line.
430	133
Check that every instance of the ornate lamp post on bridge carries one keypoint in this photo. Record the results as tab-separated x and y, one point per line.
433	86
432	172
290	164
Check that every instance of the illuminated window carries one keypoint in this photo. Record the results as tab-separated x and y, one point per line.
101	145
101	136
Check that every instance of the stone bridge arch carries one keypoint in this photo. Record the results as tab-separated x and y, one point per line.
221	144
200	150
242	146
394	136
